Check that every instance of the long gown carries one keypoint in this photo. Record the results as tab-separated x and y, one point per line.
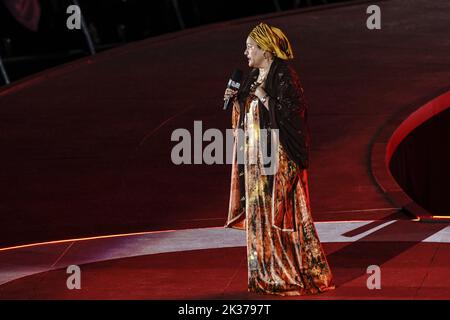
281	260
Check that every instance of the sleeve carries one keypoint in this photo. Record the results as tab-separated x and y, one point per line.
287	112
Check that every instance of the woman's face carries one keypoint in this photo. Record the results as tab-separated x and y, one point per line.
254	54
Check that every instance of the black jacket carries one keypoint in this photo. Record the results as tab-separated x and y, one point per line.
287	109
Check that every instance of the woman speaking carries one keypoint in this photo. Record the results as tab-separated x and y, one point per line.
284	253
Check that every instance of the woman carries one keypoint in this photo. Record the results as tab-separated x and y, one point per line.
284	253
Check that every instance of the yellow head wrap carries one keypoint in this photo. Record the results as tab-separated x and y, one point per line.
273	40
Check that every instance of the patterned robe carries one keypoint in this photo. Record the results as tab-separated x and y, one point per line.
284	253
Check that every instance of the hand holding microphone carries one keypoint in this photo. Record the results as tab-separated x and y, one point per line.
229	94
232	88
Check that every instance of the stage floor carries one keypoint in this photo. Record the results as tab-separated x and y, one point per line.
211	263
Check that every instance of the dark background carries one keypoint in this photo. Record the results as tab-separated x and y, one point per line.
113	23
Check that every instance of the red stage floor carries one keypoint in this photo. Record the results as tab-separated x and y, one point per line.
414	262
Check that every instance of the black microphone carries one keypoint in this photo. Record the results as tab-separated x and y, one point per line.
234	83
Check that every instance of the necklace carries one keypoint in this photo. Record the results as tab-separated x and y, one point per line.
255	85
262	76
259	81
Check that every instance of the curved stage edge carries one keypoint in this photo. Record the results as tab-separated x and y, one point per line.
388	140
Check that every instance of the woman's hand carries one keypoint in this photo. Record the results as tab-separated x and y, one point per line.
261	94
230	94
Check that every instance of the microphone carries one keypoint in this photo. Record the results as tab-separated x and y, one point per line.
234	83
